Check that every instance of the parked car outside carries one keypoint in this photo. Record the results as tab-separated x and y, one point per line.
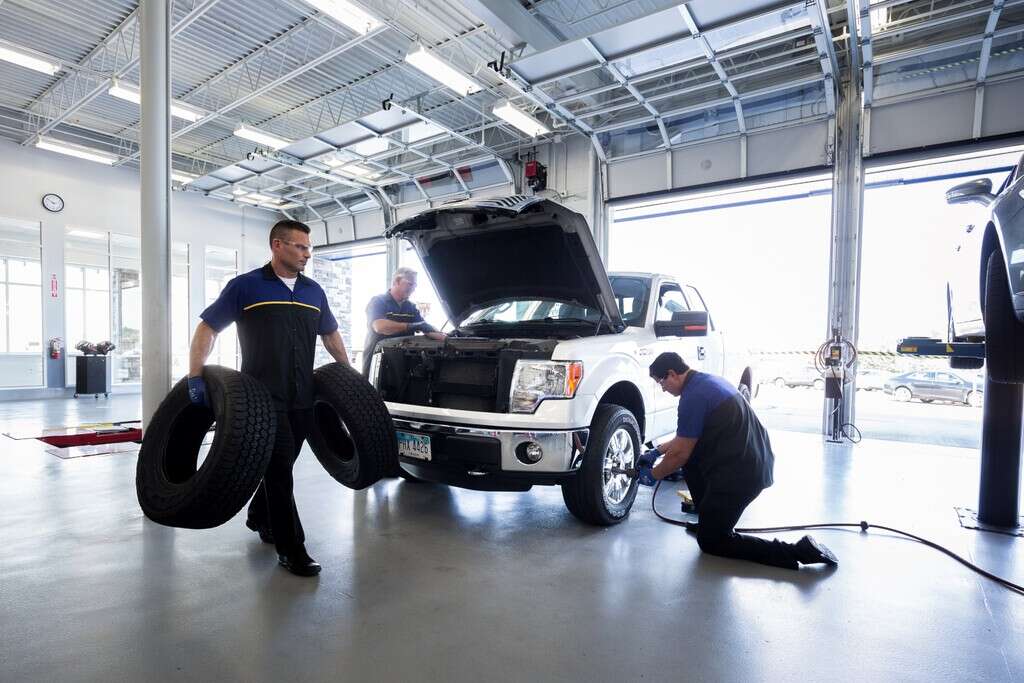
931	385
985	292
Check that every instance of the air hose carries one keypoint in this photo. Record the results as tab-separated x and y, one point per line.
862	525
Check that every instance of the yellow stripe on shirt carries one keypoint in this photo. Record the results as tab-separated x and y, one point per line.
284	303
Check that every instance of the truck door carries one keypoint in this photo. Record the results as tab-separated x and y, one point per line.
670	300
713	347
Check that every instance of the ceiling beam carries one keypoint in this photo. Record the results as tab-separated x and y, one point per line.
513	23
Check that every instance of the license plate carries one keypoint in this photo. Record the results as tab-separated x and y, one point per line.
414	445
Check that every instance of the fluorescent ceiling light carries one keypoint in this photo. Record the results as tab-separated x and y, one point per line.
261	197
131	93
520	119
441	72
76	151
250	133
367	148
347	14
29	61
238	189
87	234
182	177
248	200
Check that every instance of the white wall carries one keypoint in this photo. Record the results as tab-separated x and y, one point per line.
104	198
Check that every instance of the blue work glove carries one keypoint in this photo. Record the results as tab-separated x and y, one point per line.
648	458
197	390
644	476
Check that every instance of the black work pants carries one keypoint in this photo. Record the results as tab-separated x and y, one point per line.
718	512
274	505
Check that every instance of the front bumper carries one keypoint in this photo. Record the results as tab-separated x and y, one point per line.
485	459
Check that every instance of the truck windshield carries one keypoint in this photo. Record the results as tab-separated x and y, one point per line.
631	298
515	311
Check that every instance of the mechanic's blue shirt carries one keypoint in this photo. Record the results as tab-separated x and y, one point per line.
733	452
384	307
277	330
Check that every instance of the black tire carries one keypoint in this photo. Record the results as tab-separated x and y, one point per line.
584	494
1004	334
352	436
170	488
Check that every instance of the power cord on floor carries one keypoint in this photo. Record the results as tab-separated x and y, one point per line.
862	525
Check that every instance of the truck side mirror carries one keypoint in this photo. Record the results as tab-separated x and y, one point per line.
683	324
976	191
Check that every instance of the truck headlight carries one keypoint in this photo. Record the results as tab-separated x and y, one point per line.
536	380
375	368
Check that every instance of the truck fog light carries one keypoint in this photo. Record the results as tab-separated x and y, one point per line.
529	452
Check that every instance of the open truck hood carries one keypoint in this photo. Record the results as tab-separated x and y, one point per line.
480	252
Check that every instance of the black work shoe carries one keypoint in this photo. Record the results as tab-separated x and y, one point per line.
299	562
809	551
266	535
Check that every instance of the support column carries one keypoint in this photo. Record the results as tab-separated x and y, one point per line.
155	165
999	484
847	228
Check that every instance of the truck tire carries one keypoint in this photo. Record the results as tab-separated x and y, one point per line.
352	436
1004	334
171	489
595	495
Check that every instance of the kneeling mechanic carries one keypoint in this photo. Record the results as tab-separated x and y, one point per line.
726	459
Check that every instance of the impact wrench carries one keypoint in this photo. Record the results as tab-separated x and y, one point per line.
862	525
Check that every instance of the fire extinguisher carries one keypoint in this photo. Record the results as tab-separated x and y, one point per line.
56	345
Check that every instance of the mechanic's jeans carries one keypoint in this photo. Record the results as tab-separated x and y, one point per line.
718	512
274	500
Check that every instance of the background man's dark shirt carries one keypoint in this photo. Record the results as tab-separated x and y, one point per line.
384	307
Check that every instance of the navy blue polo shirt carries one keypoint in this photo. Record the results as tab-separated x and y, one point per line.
733	452
277	330
384	307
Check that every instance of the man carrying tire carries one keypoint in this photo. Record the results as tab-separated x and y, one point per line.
391	314
279	313
726	459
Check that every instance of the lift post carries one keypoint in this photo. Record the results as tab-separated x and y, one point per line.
1003	410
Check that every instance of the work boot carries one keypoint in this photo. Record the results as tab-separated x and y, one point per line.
298	562
809	551
266	535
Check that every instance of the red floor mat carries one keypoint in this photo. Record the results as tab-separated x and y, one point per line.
93	438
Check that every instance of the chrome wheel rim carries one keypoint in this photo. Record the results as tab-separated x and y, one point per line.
619	455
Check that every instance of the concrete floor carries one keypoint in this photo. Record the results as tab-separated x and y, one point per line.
430	583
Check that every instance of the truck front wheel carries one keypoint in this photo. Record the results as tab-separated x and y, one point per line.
599	494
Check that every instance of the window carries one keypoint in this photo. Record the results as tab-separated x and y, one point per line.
631	297
86	290
126	308
369	278
180	321
670	301
221	267
21	304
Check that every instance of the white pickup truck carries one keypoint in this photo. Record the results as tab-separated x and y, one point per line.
544	378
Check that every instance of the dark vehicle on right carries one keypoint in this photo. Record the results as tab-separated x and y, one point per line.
986	285
932	385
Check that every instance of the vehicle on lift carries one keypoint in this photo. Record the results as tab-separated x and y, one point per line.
929	385
986	287
544	378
